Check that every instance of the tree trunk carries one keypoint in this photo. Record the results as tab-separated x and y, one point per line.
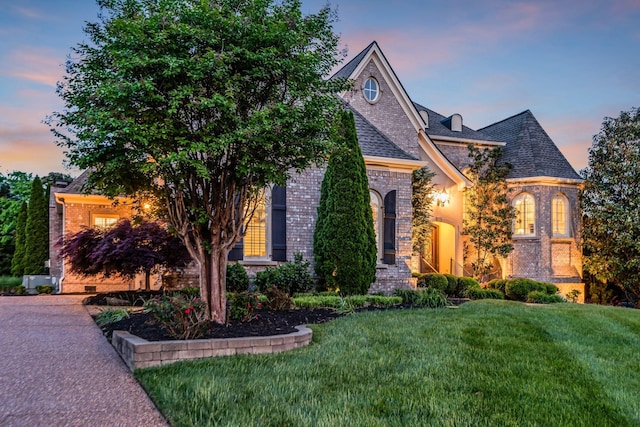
213	272
147	280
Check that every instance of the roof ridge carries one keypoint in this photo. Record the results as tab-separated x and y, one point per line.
508	118
353	63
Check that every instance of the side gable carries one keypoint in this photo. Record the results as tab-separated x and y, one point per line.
530	149
393	115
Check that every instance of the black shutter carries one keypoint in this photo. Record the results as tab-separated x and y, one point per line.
389	227
237	252
278	223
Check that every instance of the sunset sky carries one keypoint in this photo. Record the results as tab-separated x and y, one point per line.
570	62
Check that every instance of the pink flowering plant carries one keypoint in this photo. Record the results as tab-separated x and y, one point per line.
183	316
243	306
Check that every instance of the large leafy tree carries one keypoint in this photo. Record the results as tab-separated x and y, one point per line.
344	243
200	104
611	202
488	215
36	242
125	249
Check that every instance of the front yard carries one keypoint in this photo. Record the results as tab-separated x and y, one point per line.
486	363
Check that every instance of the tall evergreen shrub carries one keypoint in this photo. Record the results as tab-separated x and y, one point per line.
37	231
17	262
344	241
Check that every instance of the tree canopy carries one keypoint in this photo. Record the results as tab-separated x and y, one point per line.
201	105
611	202
488	215
14	190
344	243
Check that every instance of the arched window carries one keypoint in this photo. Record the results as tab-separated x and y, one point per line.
560	216
376	212
525	223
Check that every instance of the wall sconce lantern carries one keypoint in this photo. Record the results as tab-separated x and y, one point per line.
442	197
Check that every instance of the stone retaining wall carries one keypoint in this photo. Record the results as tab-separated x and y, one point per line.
140	353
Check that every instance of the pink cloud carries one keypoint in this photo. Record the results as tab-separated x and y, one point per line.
34	65
31	13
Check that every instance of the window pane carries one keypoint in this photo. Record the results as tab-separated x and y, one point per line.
104	222
255	239
525	215
559	216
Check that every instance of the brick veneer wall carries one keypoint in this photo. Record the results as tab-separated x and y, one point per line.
76	216
386	114
543	256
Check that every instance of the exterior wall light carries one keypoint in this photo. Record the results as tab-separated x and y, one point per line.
442	198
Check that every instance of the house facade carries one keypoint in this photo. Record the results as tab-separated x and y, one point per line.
398	136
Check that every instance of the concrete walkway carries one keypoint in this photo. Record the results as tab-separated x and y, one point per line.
57	369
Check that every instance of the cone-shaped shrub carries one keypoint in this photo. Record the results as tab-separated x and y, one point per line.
344	243
37	231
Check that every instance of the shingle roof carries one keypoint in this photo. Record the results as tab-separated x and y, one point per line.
346	71
529	149
375	143
76	186
437	128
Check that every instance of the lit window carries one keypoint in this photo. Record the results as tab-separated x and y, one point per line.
255	238
376	212
104	221
560	215
525	215
371	90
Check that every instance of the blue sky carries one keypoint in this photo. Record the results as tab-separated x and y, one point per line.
570	62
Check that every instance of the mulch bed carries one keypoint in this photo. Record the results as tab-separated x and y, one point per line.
144	325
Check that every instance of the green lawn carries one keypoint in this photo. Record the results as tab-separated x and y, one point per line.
493	363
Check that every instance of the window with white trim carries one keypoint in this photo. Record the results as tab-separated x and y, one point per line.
104	220
525	221
371	90
560	216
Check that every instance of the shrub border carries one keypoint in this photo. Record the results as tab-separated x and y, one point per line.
139	353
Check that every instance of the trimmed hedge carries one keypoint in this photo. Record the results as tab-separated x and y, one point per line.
482	293
434	281
498	284
519	289
542	297
334	301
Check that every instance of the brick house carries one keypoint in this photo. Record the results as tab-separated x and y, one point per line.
398	136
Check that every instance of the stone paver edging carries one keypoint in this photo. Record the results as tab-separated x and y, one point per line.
140	353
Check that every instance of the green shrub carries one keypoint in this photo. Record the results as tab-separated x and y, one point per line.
409	296
465	283
518	289
11	285
432	298
190	291
318	301
290	277
111	315
243	306
542	297
452	285
237	278
435	281
481	293
551	289
383	301
183	317
572	296
498	284
277	300
44	289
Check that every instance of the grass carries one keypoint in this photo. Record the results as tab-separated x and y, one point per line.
487	363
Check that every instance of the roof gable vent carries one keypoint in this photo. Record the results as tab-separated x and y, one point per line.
425	117
453	122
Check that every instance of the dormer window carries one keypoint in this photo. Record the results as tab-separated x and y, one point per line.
371	90
453	122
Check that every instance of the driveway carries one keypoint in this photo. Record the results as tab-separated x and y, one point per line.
57	369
